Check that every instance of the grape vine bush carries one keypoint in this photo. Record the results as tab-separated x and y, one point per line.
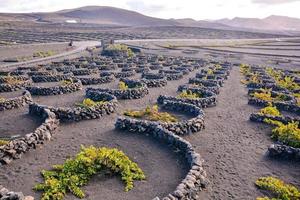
187	94
278	188
270	110
286	133
76	172
152	114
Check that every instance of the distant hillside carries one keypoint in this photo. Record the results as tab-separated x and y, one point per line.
276	23
103	15
202	23
94	15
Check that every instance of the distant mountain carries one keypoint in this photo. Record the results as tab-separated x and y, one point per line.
94	15
273	22
115	16
202	23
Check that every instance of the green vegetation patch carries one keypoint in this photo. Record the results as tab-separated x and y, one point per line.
288	134
279	189
76	172
122	85
121	48
89	103
152	114
270	110
187	94
3	142
43	54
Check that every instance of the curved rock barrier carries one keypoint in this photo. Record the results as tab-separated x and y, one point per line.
199	79
67	69
76	85
288	97
272	86
16	102
83	72
224	73
261	118
39	73
195	181
284	151
184	127
184	67
6	87
200	102
96	80
128	69
136	90
16	148
142	69
107	67
124	74
76	114
214	89
12	73
172	75
151	76
6	194
50	78
184	70
279	105
155	82
155	66
207	83
106	73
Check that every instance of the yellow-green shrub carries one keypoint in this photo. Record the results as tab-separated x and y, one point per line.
120	47
43	54
152	114
66	82
288	83
217	66
76	172
244	69
3	142
210	72
270	110
264	95
254	78
286	133
89	103
278	188
187	94
123	86
276	74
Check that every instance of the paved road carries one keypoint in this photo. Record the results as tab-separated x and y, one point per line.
79	48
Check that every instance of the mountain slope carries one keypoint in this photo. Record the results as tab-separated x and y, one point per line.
115	16
94	15
277	23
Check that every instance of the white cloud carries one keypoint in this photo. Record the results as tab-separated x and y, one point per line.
270	2
197	9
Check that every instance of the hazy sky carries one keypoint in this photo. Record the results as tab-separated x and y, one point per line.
197	9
